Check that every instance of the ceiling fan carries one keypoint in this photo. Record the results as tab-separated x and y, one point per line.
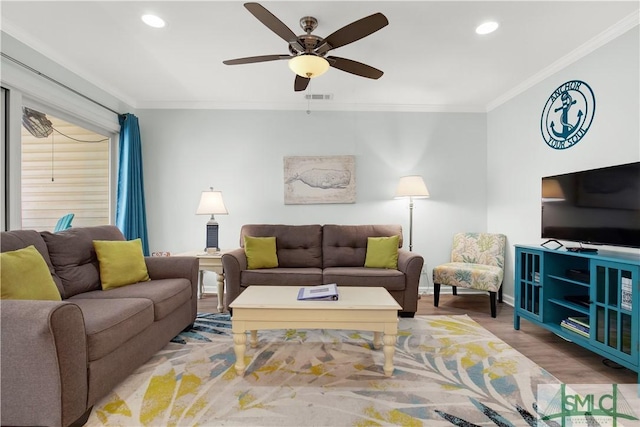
307	52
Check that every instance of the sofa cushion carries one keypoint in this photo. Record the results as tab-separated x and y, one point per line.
121	262
346	245
111	322
282	277
261	252
382	252
24	274
165	294
296	245
363	276
74	258
18	239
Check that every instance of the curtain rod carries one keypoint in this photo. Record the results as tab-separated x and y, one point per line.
33	70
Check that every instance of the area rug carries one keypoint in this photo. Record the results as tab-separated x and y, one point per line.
448	371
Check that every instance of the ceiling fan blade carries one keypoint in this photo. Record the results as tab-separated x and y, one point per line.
354	31
354	67
271	22
252	59
300	83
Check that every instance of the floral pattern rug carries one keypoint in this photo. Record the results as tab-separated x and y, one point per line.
448	371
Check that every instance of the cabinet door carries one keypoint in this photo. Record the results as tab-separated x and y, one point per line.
528	289
615	299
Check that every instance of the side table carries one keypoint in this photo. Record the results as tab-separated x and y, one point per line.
209	262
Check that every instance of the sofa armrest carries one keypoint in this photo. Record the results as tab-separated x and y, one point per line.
410	263
44	363
176	267
172	267
233	263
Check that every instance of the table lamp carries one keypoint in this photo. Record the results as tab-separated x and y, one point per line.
412	187
211	203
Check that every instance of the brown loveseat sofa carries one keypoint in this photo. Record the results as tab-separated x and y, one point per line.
60	357
311	255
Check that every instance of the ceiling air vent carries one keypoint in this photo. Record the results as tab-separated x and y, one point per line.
319	96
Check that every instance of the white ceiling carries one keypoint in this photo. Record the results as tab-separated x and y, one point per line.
431	56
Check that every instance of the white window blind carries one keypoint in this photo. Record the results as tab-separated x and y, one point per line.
64	174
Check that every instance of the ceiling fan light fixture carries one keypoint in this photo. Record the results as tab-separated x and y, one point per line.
308	65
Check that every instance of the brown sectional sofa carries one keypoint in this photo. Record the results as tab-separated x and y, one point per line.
311	255
60	357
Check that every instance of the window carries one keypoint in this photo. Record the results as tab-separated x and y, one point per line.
65	169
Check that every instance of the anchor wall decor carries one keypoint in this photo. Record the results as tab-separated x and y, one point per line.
568	114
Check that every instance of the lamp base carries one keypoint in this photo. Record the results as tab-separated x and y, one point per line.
212	236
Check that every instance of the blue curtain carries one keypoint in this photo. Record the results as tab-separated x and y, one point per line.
131	217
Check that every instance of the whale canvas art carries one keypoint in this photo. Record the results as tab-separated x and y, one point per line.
319	179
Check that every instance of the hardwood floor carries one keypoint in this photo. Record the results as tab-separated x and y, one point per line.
568	362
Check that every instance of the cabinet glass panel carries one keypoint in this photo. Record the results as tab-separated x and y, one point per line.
601	280
613	335
529	286
613	284
625	332
626	291
600	322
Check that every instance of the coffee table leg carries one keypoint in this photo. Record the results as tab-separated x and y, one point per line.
388	350
239	346
254	339
377	340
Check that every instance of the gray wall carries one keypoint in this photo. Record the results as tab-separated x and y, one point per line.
518	157
241	153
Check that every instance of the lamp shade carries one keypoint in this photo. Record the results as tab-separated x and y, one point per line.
551	190
211	203
412	186
309	66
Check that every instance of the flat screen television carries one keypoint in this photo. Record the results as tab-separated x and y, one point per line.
597	206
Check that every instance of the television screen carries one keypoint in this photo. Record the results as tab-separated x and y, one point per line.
597	206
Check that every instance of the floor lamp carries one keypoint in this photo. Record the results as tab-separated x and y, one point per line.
412	187
211	203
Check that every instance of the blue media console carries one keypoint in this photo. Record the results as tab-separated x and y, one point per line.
591	299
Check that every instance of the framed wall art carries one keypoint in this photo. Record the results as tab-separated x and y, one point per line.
319	179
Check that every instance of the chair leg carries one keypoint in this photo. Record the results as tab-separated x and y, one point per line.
436	294
455	290
500	294
492	299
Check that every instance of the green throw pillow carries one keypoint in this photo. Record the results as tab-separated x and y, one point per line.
121	262
24	274
382	252
261	252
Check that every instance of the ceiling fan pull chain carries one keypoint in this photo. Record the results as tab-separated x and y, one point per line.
52	146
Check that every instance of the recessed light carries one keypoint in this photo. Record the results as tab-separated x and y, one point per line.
153	21
487	27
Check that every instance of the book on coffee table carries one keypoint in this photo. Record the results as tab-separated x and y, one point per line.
319	293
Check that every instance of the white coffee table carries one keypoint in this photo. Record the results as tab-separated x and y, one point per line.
276	307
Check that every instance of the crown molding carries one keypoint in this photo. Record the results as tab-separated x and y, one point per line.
581	51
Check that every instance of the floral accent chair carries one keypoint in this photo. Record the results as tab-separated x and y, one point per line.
477	262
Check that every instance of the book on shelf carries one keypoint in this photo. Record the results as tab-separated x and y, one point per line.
572	328
576	325
319	293
581	320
